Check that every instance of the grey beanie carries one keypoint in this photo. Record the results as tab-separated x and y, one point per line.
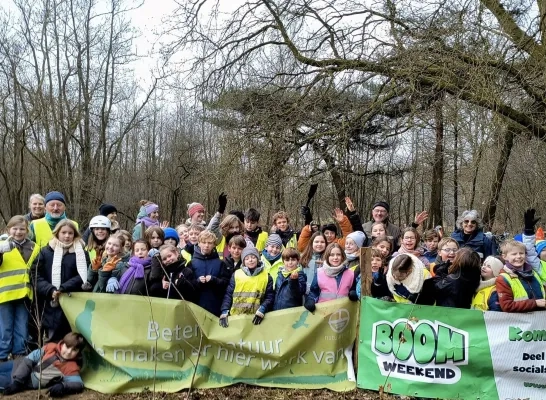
248	251
274	240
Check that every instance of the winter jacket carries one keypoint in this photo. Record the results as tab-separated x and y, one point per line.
139	286
210	294
289	292
230	265
457	289
355	220
41	275
306	234
379	288
533	290
477	241
316	285
311	270
182	281
266	300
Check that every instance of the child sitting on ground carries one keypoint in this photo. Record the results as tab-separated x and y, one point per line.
250	290
54	366
291	282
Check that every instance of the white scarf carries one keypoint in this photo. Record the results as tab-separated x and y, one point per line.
59	249
414	281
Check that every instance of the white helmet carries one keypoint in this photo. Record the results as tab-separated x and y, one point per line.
100	221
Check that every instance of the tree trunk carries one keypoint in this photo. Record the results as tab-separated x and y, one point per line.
496	185
455	172
436	193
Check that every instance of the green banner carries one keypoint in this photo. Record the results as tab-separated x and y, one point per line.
424	351
162	345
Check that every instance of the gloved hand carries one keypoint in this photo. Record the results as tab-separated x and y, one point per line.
530	221
310	304
7	246
258	318
96	263
223	321
401	290
222	202
56	390
112	285
13	388
87	286
306	212
353	296
153	252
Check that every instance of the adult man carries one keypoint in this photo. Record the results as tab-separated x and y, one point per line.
41	230
380	213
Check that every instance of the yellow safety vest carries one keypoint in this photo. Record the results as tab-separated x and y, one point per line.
248	293
272	269
43	233
260	242
15	277
400	299
481	298
186	256
518	291
293	242
220	248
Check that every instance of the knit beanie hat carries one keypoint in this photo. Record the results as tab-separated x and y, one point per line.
383	204
495	264
106	209
170	233
273	240
540	245
55	196
193	208
250	250
358	237
329	227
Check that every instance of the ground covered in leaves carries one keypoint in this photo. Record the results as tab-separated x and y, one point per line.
236	392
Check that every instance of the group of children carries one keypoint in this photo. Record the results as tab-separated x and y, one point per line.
234	267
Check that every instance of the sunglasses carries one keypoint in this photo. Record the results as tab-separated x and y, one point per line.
469	222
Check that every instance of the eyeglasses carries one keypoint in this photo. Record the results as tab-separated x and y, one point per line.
469	222
450	250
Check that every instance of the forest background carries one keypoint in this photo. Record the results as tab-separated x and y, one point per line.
436	106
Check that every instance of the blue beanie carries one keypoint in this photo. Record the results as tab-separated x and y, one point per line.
170	233
54	196
540	245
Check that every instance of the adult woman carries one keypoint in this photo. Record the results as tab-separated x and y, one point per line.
469	233
36	205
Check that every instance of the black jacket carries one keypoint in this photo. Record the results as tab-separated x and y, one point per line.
456	289
182	278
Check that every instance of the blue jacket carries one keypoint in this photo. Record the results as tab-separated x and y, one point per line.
289	292
210	294
478	242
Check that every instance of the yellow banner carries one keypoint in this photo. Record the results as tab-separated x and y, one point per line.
157	344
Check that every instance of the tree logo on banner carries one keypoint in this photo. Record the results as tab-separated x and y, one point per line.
339	320
421	351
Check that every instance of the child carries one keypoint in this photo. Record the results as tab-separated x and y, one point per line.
104	277
250	290
236	246
134	279
311	259
155	236
196	214
176	279
378	229
519	286
456	286
61	267
541	250
193	234
229	227
54	366
171	236
334	280
148	216
487	298
182	231
128	240
329	230
271	255
253	231
431	239
16	256
447	248
409	243
211	276
291	282
380	288
99	231
281	226
353	243
409	281
384	245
